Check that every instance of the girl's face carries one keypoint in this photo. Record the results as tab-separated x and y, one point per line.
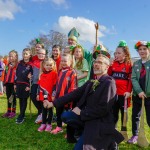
49	65
143	51
78	53
12	57
26	56
120	55
56	52
38	47
41	54
65	62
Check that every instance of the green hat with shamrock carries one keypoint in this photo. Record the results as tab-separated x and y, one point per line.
100	49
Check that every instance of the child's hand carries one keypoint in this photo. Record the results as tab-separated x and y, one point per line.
30	75
142	95
37	97
127	95
47	104
27	89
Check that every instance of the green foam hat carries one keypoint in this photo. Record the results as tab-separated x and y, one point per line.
122	43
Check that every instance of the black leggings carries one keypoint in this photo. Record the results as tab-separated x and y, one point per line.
118	105
23	106
11	106
33	95
46	112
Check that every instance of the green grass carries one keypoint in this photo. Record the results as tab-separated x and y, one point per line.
26	137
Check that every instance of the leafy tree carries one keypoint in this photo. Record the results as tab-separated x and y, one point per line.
50	39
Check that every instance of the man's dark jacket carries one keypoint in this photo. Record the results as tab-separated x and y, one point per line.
96	112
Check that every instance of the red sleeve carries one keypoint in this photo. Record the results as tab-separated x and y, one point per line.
110	70
73	82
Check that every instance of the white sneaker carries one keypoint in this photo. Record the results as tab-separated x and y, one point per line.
38	119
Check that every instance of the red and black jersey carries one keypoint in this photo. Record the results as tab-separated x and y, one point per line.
67	82
10	73
121	72
47	82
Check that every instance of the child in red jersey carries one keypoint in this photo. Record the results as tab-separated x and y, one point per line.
47	84
121	70
67	82
9	80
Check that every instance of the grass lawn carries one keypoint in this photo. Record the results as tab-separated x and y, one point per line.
26	137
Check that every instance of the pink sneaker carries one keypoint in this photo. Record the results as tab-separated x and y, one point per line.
12	115
57	130
42	127
48	128
6	115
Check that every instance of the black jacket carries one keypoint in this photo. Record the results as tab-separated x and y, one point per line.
96	111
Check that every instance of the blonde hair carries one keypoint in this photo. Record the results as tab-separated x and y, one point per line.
69	58
44	62
15	53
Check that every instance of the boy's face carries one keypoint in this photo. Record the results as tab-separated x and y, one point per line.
41	54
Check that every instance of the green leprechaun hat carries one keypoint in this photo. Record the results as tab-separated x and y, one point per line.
122	43
140	43
100	49
73	34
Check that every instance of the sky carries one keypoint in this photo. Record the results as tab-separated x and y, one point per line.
23	20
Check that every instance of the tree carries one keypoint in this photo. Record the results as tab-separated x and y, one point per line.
52	38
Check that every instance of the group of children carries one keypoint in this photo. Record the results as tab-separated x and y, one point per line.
43	78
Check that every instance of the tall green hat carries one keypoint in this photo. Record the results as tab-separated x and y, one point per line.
73	34
122	43
140	43
100	49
